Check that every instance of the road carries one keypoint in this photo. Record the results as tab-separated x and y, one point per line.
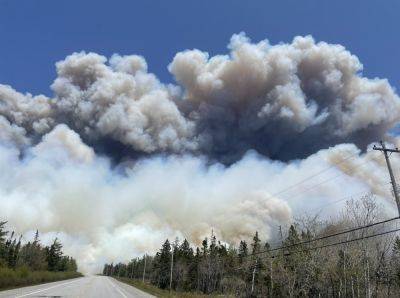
84	287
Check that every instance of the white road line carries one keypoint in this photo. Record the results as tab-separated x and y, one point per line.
117	288
66	283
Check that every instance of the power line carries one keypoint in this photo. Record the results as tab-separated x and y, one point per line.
346	241
325	237
314	175
346	198
364	193
340	200
327	180
328	245
320	208
320	183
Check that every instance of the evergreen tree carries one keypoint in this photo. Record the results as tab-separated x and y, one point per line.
193	271
243	251
204	248
293	236
12	250
54	255
163	265
213	244
32	255
256	244
3	234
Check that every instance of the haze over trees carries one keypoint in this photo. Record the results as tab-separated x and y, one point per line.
368	267
32	262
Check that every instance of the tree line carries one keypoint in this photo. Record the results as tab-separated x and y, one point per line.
369	267
33	256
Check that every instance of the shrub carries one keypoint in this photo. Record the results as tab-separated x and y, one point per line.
22	276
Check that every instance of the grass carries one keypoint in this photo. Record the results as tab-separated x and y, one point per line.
22	277
153	290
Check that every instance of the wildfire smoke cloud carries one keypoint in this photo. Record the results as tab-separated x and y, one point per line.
116	161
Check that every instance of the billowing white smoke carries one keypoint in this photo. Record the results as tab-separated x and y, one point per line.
64	190
260	106
61	186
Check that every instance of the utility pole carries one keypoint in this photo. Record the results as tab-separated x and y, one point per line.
272	283
144	269
172	266
393	180
254	273
281	236
132	270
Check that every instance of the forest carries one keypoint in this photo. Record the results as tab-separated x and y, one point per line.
311	257
31	262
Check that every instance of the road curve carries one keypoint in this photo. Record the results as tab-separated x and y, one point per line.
84	287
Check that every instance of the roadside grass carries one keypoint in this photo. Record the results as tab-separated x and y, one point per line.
153	290
22	277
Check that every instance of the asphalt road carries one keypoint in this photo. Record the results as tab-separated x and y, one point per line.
84	287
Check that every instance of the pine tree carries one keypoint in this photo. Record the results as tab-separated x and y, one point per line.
37	259
53	256
293	236
3	234
163	265
185	250
12	250
204	248
33	255
213	244
243	251
256	244
193	274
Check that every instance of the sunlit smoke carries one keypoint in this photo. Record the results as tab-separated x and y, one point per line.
116	161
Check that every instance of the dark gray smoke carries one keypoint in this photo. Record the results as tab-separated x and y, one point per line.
286	101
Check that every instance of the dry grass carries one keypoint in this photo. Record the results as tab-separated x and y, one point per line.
148	288
22	277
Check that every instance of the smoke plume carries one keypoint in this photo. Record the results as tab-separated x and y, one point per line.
116	161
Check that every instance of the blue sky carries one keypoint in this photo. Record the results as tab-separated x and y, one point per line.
37	33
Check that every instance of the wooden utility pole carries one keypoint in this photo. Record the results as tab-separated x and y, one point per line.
254	273
271	280
393	180
144	269
281	236
132	271
172	266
